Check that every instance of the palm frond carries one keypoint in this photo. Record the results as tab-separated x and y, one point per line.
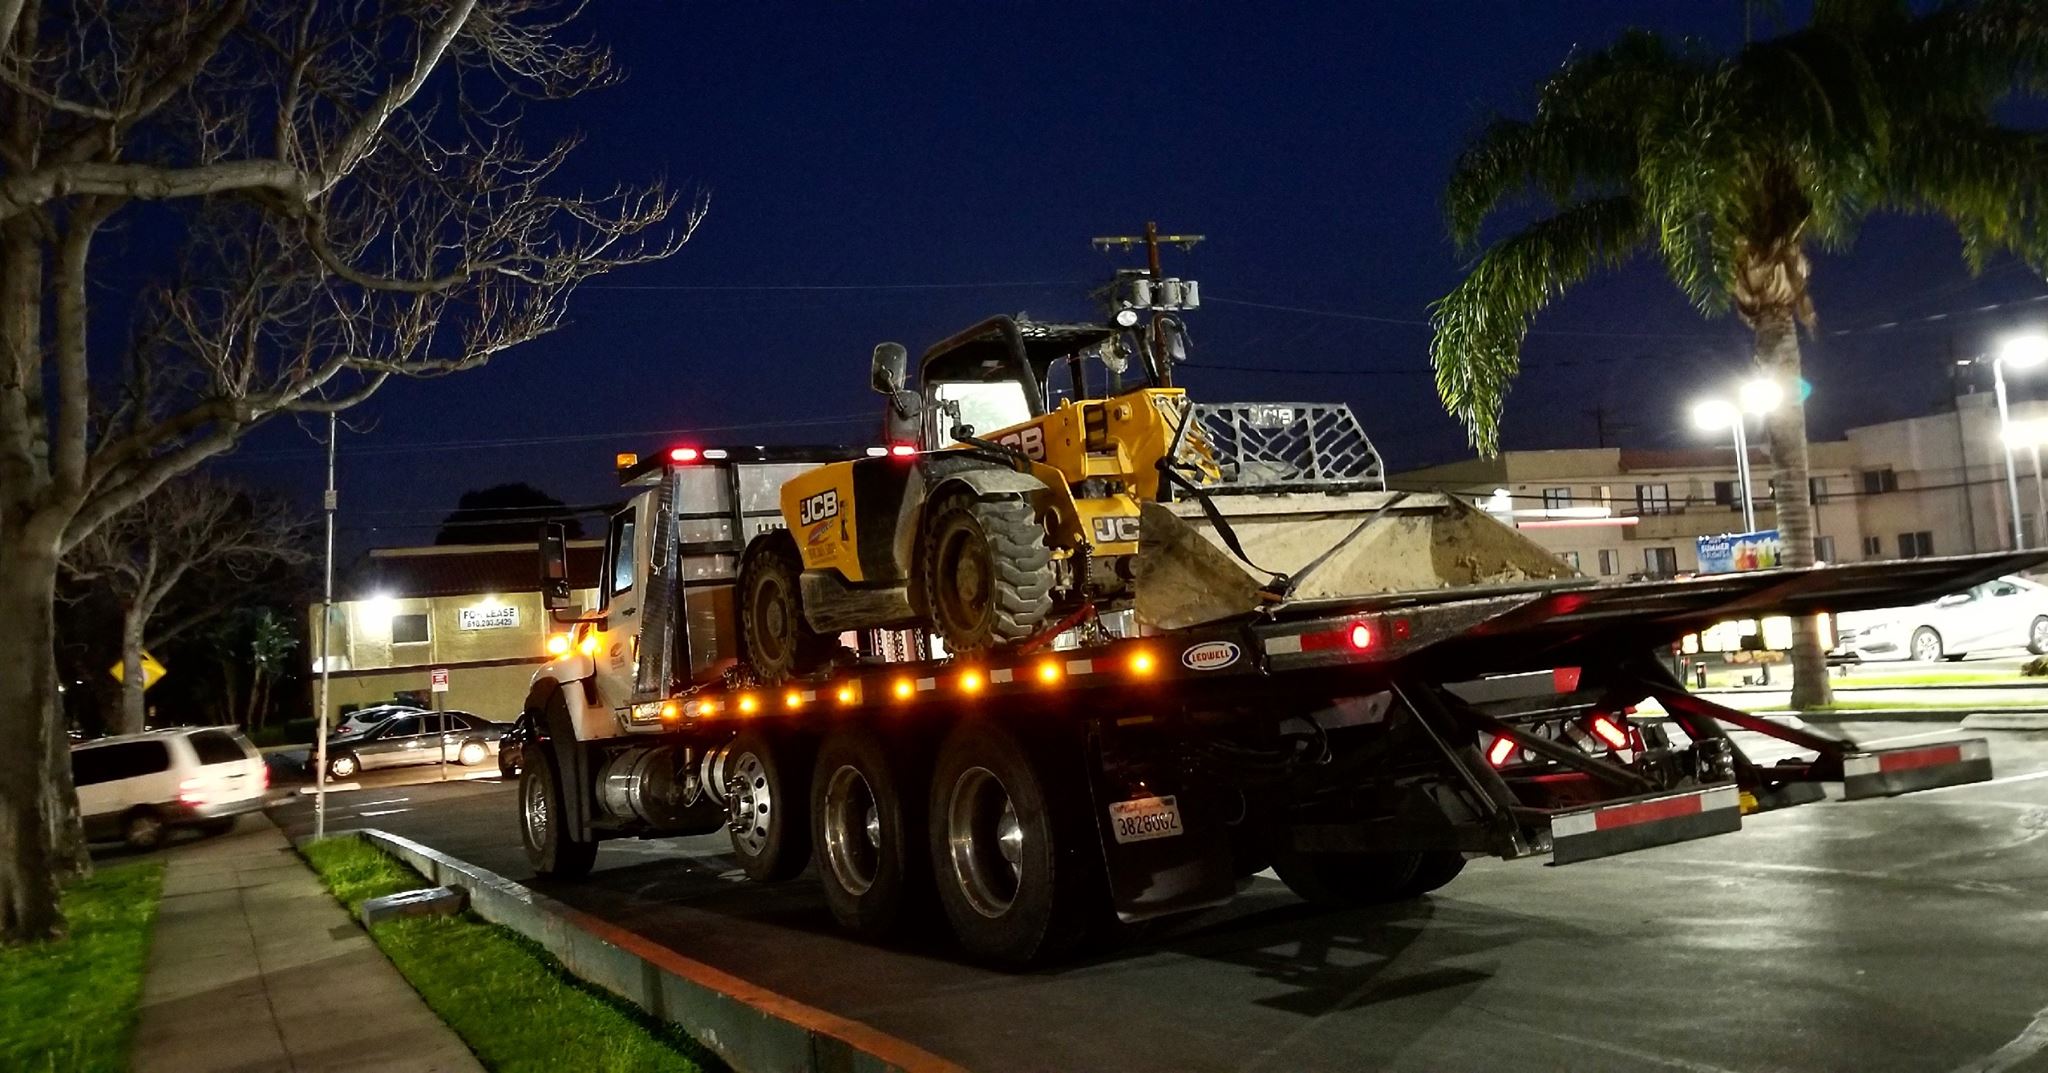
1989	181
1480	325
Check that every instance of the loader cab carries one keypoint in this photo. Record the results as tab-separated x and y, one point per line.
996	373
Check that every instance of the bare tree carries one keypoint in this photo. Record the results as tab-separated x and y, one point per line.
193	528
350	200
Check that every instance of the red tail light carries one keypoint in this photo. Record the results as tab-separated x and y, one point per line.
192	792
1499	752
1361	636
1610	732
902	450
682	454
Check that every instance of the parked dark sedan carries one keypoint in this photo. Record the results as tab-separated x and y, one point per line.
411	738
512	747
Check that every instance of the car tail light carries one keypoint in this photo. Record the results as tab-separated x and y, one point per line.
1610	732
192	792
1500	751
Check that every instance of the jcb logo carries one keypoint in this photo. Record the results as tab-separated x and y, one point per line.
819	507
1116	530
1031	441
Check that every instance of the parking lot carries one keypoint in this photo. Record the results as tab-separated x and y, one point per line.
1900	934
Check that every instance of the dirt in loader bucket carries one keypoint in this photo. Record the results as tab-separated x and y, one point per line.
1329	545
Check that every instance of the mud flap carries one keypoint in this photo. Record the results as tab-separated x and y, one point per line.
1641	822
1884	772
1163	839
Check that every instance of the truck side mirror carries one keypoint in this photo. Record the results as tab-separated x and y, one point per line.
554	566
891	368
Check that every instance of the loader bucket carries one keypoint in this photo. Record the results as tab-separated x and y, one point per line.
1328	545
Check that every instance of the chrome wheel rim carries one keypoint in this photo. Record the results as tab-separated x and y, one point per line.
342	766
473	753
2040	637
853	830
1926	648
985	842
752	804
536	811
145	830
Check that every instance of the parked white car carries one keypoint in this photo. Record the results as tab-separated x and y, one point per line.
2010	612
362	719
138	787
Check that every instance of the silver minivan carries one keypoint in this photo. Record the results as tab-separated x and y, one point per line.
138	787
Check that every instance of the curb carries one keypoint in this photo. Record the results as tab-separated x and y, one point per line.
750	1027
2036	720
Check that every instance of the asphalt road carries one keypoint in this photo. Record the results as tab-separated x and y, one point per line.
1900	934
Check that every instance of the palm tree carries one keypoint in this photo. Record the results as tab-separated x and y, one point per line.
1728	168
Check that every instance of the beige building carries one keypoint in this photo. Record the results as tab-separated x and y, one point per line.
473	610
1931	485
1616	512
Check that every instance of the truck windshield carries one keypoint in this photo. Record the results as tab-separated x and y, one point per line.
987	406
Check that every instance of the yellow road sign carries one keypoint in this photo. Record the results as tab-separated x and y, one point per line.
151	671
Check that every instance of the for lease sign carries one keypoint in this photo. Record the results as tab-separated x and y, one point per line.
490	617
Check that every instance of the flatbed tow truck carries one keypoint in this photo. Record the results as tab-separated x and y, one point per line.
1364	747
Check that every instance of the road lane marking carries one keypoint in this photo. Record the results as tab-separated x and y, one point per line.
2028	777
2031	1041
383	812
386	801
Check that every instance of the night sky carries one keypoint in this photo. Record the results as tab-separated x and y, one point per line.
890	171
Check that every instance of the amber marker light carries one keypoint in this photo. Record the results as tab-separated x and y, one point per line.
793	700
671	711
1049	672
749	703
971	682
558	644
903	688
845	694
1142	663
589	645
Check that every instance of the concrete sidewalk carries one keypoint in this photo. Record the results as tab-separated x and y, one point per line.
254	966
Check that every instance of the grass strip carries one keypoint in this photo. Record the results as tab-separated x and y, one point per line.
509	1000
70	1005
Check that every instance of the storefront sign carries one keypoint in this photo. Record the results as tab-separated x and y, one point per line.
1734	552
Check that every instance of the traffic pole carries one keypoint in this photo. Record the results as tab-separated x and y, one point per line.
327	502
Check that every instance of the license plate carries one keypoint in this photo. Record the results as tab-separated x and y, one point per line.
1143	818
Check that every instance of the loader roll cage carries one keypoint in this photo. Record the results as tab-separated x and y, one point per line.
1005	348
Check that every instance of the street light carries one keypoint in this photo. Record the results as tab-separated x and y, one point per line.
1758	396
2032	435
2020	352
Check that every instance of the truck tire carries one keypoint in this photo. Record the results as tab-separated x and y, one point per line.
551	848
868	830
1350	880
987	573
1017	860
765	799
777	642
1434	869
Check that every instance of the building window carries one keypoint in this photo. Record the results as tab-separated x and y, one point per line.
410	629
1916	545
1571	559
1660	562
1653	498
1823	549
1817	488
1556	498
1878	481
1872	547
1610	562
1724	494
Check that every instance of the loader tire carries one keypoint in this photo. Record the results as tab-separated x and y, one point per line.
1350	880
778	643
987	573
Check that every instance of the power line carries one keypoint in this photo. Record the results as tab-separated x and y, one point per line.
784	287
535	441
1411	322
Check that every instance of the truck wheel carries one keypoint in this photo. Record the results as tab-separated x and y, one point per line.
764	805
551	848
1349	880
1434	869
777	642
868	824
987	573
1018	865
2037	636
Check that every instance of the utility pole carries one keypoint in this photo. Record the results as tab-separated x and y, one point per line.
1150	290
327	503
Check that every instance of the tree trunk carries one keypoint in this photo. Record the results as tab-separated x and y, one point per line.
133	714
1777	357
28	889
68	857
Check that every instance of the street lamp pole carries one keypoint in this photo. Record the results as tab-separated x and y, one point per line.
327	504
1742	473
2012	481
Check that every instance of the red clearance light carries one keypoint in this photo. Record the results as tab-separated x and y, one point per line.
1613	735
1361	636
682	454
902	450
1500	751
